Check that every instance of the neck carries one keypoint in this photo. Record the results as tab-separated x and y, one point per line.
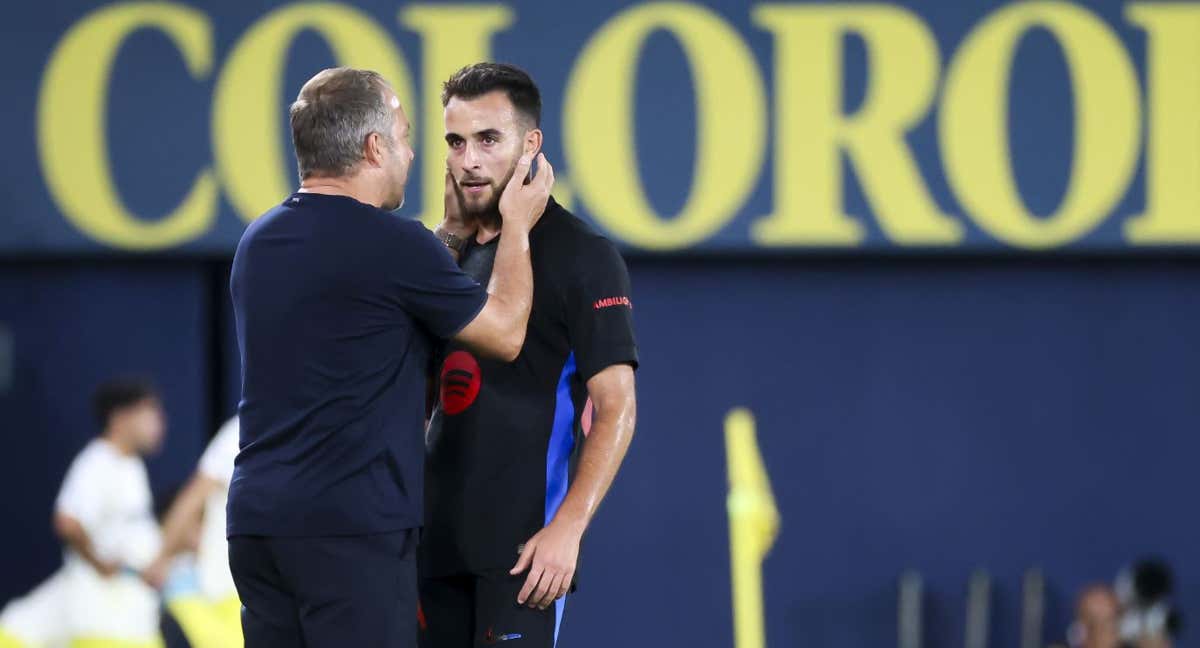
352	186
489	229
123	446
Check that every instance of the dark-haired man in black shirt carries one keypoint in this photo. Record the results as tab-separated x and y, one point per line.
511	480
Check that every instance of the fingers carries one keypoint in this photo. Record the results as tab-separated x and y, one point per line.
550	586
531	584
152	576
452	203
565	586
545	176
524	560
520	173
542	590
541	186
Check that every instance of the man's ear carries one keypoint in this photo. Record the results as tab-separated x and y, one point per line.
373	148
533	142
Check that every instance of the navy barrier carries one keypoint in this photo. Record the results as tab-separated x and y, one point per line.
934	415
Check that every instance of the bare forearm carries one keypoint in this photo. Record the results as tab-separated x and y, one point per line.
186	514
82	545
552	553
512	279
603	452
72	533
511	285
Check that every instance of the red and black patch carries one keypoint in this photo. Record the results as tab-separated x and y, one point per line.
460	382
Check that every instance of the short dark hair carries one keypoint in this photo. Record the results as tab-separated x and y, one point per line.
117	394
333	115
479	79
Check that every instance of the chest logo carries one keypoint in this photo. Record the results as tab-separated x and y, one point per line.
460	382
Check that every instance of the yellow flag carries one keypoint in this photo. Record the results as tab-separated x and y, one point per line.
753	526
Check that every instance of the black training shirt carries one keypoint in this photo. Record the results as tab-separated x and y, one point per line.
503	437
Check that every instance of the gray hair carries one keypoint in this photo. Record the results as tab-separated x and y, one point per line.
333	115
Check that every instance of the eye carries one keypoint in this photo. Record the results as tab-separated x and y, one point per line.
456	143
489	139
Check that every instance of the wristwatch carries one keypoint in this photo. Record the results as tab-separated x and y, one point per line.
450	240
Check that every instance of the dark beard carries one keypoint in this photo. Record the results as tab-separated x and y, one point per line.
489	216
492	219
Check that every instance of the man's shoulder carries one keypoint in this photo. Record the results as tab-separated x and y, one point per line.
95	451
571	235
97	457
269	221
334	212
341	227
276	216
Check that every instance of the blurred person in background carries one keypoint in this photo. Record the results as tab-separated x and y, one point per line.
1153	640
1097	619
1149	618
511	483
104	516
202	597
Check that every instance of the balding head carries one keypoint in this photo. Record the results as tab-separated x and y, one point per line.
333	116
349	130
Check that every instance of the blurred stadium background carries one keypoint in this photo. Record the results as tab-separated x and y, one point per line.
944	253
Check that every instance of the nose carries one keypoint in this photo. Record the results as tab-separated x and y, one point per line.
470	157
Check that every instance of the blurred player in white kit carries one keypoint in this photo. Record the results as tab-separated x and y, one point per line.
104	516
207	609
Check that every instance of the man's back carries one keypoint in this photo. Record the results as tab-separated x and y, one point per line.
335	302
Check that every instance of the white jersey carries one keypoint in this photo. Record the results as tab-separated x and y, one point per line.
216	582
109	494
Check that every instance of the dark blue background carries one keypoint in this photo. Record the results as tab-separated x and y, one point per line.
941	416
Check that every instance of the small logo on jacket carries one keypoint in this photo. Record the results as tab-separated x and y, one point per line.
492	638
460	382
609	302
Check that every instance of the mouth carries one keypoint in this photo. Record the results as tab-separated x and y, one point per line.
473	187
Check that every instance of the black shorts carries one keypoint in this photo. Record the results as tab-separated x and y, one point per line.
327	592
469	610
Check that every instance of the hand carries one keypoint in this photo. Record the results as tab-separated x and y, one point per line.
155	575
107	568
550	556
522	204
455	220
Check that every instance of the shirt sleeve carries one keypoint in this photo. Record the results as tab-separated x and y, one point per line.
600	310
80	496
217	461
430	286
